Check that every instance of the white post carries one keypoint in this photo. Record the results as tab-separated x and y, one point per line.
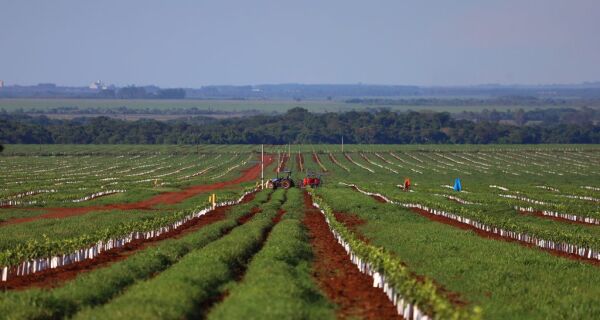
279	161
262	166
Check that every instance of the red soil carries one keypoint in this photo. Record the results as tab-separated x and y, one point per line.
341	280
163	198
239	270
280	214
352	222
51	278
249	216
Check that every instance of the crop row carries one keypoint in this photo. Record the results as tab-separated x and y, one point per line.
358	164
71	187
553	240
278	283
316	159
414	298
186	288
100	285
560	215
36	256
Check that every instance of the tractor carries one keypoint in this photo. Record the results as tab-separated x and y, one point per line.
281	182
312	179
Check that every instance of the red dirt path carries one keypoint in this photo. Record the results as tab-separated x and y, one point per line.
52	278
239	271
163	198
341	280
352	222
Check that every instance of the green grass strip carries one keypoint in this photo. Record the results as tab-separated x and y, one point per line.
423	294
182	290
278	283
99	286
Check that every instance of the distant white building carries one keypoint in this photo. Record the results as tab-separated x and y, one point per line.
98	85
1	83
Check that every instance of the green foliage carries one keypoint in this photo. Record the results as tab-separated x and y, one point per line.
505	279
183	289
421	292
100	285
278	283
296	126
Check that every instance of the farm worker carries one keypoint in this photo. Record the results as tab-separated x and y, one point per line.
406	184
457	185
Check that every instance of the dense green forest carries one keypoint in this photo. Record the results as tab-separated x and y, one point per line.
295	126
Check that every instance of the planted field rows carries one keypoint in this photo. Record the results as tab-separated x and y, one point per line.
409	232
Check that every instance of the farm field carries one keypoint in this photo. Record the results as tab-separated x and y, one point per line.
117	231
227	106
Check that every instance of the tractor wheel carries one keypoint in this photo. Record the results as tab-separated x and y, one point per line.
286	184
270	185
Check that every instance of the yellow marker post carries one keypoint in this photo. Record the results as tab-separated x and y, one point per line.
213	200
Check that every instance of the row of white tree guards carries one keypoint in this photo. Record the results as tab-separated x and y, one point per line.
37	265
550	213
12	199
332	157
98	195
378	164
561	215
358	164
584	252
316	157
403	306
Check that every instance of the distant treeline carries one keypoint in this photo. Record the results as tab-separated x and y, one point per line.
584	115
519	117
490	102
295	126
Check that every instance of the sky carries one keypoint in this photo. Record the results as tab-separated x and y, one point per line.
195	43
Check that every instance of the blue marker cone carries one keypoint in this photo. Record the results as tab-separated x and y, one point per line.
457	185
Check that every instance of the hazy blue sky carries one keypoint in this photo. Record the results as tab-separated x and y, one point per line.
194	43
